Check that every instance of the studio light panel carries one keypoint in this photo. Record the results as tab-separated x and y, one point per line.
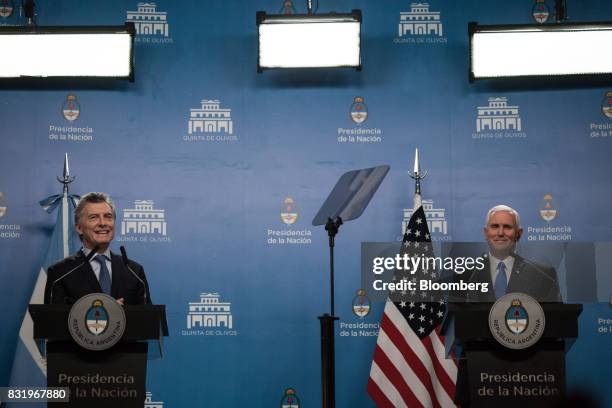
562	49
309	42
51	52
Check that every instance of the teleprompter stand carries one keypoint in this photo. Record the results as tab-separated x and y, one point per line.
346	202
86	373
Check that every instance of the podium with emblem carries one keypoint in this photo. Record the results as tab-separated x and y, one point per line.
98	349
511	352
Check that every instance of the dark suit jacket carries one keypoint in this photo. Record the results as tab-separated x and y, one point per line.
528	277
82	281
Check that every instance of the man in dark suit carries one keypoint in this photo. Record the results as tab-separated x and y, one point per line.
105	272
505	271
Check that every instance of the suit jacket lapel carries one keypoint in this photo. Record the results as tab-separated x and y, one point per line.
517	281
89	273
517	278
117	265
485	273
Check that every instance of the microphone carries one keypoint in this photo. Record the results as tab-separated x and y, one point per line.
127	265
87	259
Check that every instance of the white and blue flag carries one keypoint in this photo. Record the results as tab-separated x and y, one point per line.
29	366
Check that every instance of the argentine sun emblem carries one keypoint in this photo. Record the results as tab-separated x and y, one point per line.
71	109
287	8
289	213
517	319
359	111
96	321
2	208
548	211
606	105
361	304
6	8
540	11
97	318
290	399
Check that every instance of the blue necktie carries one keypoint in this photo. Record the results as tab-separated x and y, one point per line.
501	281
104	278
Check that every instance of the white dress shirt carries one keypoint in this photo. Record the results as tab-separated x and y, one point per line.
95	265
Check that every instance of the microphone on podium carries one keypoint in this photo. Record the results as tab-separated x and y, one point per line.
127	265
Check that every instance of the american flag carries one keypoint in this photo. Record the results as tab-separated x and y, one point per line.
409	368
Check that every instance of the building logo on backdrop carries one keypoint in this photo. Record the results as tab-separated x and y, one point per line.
436	221
7	231
144	223
498	120
550	231
290	399
210	317
68	131
604	129
517	321
540	11
358	326
420	25
361	304
358	113
149	403
6	8
210	123
151	25
290	235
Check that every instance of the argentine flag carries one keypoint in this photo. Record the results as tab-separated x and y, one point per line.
29	367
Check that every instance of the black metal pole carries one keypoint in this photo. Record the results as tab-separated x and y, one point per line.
331	278
560	11
328	362
328	359
332	228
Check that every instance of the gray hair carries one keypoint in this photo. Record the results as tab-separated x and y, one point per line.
93	197
503	208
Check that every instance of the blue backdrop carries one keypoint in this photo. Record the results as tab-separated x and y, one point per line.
223	193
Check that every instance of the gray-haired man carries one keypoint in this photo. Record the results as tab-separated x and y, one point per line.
505	270
75	276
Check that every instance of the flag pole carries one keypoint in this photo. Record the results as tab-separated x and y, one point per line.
417	175
66	179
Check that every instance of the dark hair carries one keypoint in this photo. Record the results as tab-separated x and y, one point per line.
93	197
